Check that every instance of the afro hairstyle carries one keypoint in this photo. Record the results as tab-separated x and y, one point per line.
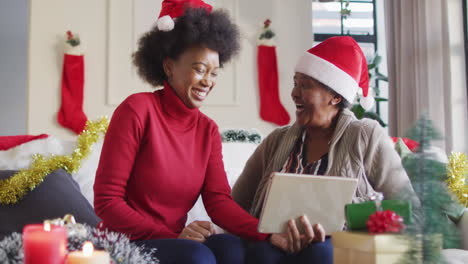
197	27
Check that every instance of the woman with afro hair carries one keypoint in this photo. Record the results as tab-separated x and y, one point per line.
160	152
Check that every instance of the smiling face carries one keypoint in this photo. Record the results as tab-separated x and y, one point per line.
193	74
316	105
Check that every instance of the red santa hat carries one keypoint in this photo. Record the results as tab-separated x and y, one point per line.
340	64
172	9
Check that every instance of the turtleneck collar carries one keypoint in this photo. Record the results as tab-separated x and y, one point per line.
179	114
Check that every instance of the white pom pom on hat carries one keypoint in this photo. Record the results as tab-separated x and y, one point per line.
172	9
165	23
339	63
367	102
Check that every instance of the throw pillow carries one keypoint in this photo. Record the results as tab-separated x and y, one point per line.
56	196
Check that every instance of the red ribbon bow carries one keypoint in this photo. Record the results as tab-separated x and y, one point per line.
385	222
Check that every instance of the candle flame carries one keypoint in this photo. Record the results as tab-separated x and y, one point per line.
47	227
88	249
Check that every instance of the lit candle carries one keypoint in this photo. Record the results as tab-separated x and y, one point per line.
88	255
44	244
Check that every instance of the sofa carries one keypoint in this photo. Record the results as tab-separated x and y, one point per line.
235	154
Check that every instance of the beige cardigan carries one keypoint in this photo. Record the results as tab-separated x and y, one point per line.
359	149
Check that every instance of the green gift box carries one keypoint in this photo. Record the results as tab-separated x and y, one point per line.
357	214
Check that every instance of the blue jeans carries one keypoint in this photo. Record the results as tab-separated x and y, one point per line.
221	249
262	252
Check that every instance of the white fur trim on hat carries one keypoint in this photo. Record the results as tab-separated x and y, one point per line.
328	74
165	23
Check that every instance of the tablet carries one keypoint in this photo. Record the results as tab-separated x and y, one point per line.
321	198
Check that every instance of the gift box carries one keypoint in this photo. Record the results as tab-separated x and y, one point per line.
358	214
366	248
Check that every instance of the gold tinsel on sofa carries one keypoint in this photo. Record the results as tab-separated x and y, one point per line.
457	170
17	186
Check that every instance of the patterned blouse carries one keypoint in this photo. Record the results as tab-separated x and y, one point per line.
297	161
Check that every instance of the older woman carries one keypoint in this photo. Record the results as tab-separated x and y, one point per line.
160	152
326	139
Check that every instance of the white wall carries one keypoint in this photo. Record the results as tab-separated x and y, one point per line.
51	18
14	18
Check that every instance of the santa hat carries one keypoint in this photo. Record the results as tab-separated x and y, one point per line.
172	9
340	64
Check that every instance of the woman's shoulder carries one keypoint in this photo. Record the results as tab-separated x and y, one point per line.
275	137
207	121
138	98
367	126
280	132
138	103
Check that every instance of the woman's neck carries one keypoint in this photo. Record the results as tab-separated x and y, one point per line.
324	131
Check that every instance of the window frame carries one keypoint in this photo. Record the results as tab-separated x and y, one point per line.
319	37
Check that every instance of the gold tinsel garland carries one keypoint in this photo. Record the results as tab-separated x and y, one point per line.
17	186
457	171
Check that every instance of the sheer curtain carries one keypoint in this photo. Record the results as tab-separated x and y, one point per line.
426	68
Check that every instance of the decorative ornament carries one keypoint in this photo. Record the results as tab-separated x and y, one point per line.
240	135
165	23
267	33
73	40
119	247
70	114
345	11
457	173
11	249
17	186
271	108
385	222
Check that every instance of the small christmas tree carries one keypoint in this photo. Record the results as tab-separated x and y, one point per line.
431	225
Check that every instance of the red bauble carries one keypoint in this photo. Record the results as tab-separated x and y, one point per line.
385	222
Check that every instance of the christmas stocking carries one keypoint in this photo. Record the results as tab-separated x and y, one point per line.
71	113
271	109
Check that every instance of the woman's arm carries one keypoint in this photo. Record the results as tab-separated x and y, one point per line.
217	199
120	147
246	185
383	164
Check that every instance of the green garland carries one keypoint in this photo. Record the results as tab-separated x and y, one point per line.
240	135
17	186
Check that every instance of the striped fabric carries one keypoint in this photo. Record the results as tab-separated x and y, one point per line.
297	161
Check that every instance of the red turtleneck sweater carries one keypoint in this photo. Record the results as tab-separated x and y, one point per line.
158	157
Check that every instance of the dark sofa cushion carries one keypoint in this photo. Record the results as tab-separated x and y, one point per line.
56	196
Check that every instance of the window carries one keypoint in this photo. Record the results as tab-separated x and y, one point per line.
358	19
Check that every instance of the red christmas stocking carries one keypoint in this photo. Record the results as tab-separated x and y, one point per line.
271	109
71	113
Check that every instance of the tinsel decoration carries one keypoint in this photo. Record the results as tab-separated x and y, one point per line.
385	222
457	172
17	186
120	249
11	249
240	135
